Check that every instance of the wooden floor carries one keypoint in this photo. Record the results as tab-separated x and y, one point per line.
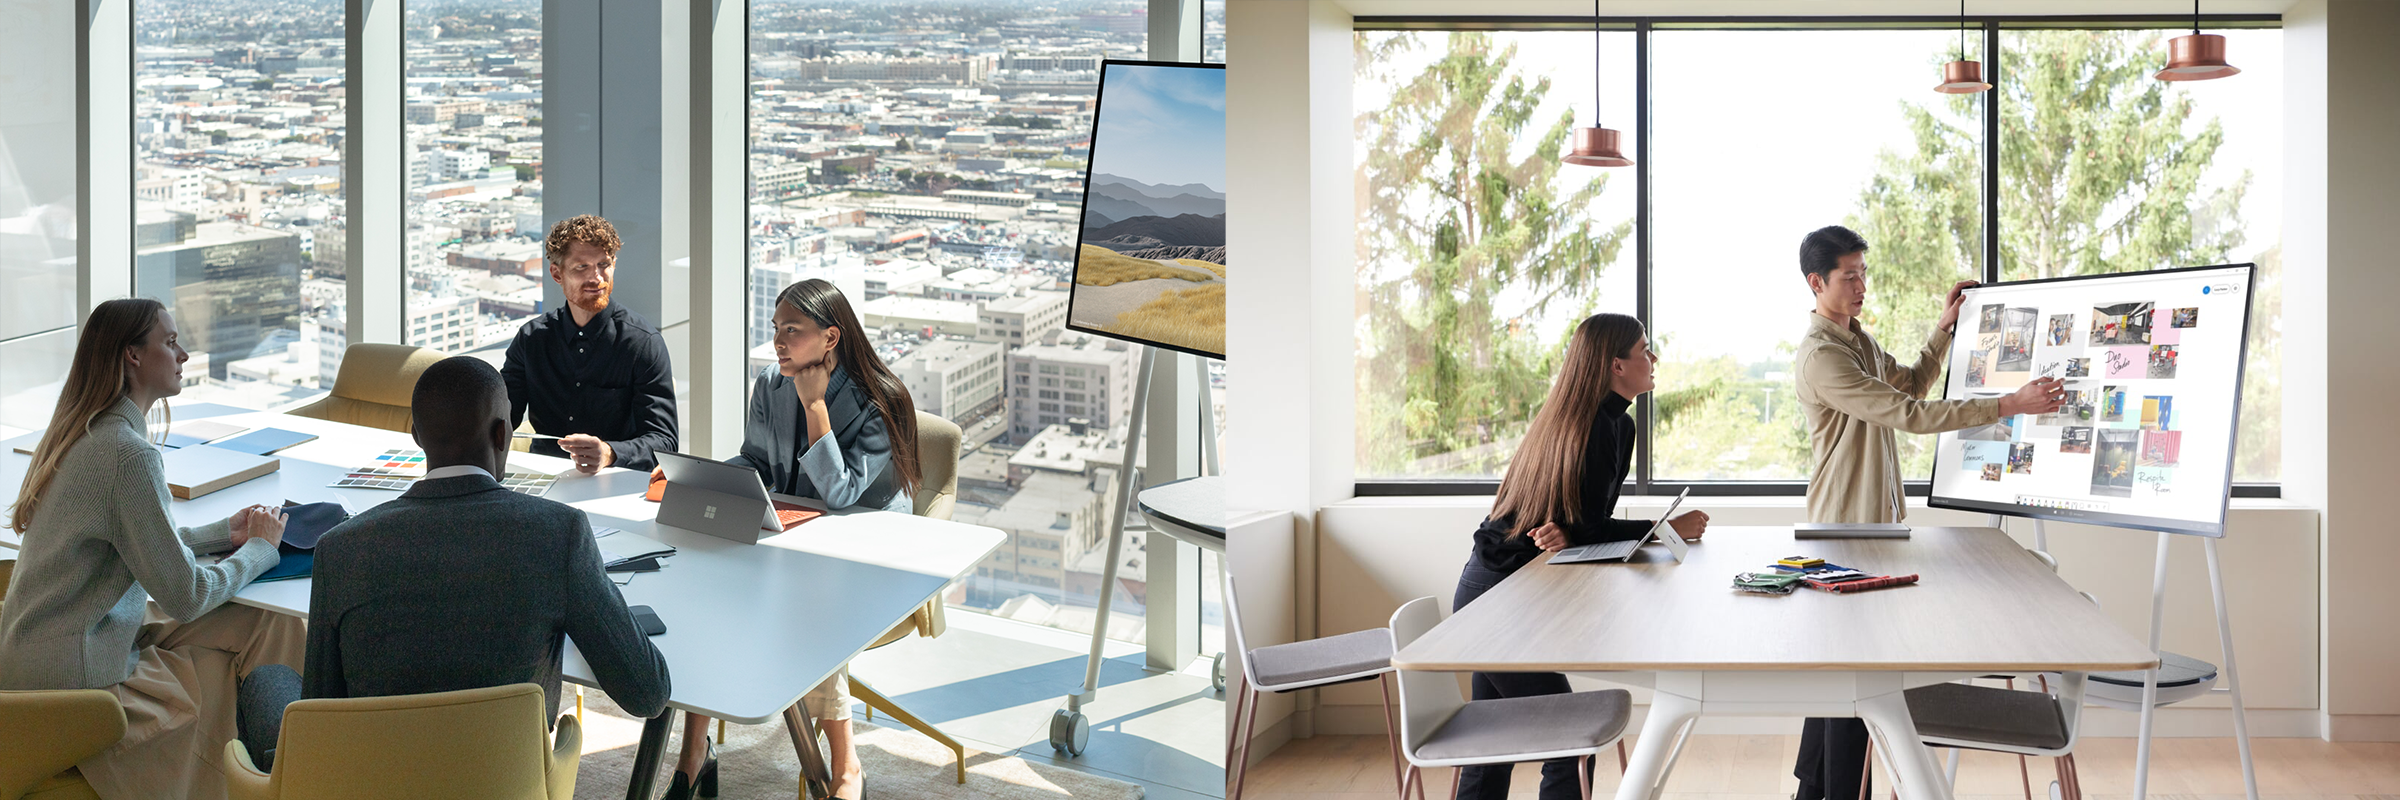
1759	768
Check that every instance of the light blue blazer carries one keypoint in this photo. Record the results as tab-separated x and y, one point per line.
852	466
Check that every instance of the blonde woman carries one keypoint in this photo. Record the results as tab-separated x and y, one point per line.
1561	490
107	594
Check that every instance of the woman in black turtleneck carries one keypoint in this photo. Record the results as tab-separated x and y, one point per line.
1560	491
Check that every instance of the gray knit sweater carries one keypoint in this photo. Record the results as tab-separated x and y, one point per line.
101	544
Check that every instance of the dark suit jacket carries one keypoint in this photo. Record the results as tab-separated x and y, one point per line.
856	471
461	584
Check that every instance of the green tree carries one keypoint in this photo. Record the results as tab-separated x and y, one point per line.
2098	174
1457	212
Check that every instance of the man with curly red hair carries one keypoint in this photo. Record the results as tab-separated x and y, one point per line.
591	372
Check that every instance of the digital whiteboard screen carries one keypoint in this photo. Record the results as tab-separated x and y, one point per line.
2153	369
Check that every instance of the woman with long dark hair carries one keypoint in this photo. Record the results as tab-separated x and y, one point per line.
830	422
1560	491
107	594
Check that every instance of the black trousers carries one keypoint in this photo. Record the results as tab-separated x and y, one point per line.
1559	779
1833	759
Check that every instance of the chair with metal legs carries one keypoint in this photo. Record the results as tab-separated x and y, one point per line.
1356	656
1438	728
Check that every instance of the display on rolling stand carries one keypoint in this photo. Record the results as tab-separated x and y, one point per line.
2152	366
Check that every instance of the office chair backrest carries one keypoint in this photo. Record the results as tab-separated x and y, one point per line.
1427	699
937	465
42	734
426	745
374	386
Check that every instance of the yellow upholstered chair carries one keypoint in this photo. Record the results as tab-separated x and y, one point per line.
43	734
374	385
937	460
486	743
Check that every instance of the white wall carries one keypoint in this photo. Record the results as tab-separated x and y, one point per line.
1288	442
2361	184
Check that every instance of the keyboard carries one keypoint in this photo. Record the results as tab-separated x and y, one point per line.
788	515
1601	551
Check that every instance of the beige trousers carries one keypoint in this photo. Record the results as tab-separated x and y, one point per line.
830	701
179	704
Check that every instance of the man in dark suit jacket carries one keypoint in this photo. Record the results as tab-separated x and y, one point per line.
460	583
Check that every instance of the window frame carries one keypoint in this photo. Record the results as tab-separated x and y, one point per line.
1643	481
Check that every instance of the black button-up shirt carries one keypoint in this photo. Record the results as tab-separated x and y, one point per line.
609	379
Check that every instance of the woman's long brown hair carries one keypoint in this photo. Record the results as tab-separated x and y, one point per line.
1545	479
828	308
95	382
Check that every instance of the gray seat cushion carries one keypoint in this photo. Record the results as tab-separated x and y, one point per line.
1988	715
1517	726
1323	659
2174	669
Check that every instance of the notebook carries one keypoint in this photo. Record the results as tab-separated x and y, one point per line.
199	431
265	441
620	550
199	470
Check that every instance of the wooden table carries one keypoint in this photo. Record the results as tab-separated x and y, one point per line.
1984	605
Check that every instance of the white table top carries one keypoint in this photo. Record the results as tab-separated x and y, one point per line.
749	628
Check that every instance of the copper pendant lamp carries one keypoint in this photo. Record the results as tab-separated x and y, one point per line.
1596	146
2198	57
1962	76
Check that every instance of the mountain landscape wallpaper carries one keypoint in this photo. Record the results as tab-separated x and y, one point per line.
1150	265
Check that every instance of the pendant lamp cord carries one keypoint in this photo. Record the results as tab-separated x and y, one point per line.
2195	16
1962	29
1596	62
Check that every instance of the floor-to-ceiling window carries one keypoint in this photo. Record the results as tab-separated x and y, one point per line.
472	113
927	158
38	219
238	198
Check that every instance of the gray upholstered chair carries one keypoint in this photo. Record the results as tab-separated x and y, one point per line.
1438	728
1355	656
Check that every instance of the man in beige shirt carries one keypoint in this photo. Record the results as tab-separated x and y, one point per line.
1855	395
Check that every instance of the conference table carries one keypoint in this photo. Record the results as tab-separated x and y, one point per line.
750	628
1983	605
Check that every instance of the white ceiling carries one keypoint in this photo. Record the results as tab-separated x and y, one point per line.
1809	8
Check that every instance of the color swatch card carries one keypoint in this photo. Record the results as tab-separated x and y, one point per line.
400	469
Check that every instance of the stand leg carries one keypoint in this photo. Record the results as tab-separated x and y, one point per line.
2158	618
1208	419
1653	752
1116	531
2233	677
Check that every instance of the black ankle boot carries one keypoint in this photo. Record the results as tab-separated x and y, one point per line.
706	786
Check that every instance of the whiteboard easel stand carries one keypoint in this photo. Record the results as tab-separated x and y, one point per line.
1069	729
2158	617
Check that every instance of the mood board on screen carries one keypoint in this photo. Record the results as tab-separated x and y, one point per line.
2152	365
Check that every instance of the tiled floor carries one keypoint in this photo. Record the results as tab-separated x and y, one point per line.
993	684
